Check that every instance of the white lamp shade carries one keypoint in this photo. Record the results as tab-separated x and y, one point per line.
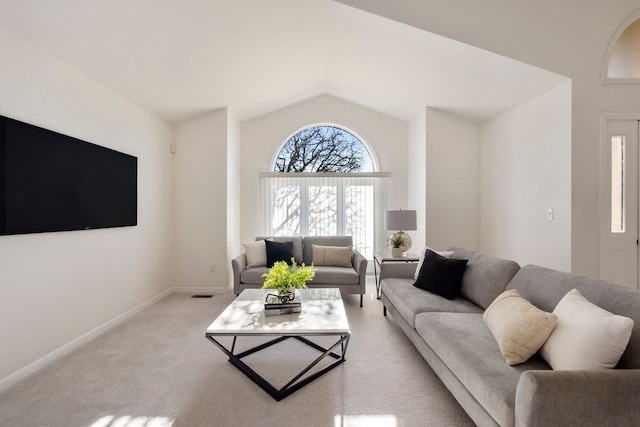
400	220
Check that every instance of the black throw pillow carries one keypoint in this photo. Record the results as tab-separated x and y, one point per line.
440	275
278	251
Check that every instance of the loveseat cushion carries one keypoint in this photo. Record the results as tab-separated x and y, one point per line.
324	274
253	276
486	277
410	301
332	275
465	345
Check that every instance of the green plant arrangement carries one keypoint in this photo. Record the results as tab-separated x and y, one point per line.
283	276
397	240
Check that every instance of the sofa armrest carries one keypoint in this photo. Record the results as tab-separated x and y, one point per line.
359	263
238	265
584	398
402	270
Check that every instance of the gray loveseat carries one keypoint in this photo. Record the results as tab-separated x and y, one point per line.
350	280
453	339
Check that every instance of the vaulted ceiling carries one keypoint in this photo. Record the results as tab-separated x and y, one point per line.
180	58
566	37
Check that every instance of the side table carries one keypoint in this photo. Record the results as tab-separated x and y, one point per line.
381	257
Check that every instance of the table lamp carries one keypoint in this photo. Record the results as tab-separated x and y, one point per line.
400	221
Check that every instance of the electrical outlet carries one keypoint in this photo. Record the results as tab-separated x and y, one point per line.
212	268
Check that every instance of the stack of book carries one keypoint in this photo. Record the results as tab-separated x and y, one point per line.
274	309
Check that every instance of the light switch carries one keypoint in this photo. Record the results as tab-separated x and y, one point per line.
550	214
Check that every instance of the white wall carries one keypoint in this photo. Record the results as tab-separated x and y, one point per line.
263	136
55	287
452	181
234	164
525	170
417	177
200	187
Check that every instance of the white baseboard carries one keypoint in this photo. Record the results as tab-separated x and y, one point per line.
83	339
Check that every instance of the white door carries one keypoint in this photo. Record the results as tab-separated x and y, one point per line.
619	200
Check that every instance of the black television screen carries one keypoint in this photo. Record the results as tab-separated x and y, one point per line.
53	182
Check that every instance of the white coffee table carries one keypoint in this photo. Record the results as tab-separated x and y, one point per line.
322	315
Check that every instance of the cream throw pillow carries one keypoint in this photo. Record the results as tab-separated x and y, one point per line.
338	256
519	327
587	336
446	254
256	253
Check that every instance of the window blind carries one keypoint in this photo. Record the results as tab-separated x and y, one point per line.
325	204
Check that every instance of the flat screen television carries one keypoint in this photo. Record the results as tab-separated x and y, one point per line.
53	182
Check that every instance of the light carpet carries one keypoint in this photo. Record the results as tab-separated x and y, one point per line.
158	369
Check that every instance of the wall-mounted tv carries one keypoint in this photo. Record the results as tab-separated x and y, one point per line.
53	182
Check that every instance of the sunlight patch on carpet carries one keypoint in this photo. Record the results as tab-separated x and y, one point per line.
129	421
365	421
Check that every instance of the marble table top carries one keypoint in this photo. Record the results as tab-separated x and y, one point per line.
322	313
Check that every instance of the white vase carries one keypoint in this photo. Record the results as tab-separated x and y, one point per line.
396	252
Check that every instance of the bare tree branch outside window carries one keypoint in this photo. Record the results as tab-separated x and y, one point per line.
323	149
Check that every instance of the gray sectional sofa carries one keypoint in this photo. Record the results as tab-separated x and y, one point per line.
350	280
453	339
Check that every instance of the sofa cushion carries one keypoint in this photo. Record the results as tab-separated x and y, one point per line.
297	244
332	275
545	288
463	343
441	275
338	256
586	337
519	327
486	277
410	301
278	251
309	241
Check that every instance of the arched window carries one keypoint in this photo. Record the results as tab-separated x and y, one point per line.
624	62
324	183
621	62
323	148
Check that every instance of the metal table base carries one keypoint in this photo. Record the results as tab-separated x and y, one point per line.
297	381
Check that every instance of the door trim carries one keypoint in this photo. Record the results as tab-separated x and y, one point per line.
604	205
